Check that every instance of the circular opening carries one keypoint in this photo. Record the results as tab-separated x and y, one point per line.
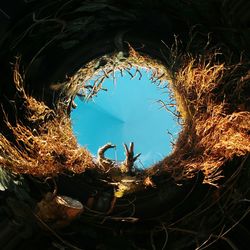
132	105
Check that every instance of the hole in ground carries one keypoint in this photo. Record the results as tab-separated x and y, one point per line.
130	110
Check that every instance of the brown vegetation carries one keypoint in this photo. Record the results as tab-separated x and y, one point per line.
45	145
210	98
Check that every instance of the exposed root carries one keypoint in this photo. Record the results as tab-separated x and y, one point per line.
128	164
104	162
88	81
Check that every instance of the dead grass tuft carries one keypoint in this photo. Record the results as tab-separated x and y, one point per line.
46	145
216	124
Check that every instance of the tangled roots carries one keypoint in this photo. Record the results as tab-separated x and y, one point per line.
212	101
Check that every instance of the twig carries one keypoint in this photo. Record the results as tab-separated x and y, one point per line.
105	73
130	158
158	78
137	71
101	159
36	22
5	14
38	53
165	106
129	73
114	78
163	228
121	72
166	239
62	7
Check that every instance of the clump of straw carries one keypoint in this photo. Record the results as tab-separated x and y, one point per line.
216	123
44	145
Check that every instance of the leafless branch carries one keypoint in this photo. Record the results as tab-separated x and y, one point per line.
130	158
101	159
165	106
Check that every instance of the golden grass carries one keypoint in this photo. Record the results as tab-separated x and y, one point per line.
216	126
210	98
89	79
46	145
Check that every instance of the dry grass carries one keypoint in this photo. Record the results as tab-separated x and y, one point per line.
209	98
46	145
216	123
89	79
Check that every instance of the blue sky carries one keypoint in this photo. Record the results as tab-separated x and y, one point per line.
127	112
